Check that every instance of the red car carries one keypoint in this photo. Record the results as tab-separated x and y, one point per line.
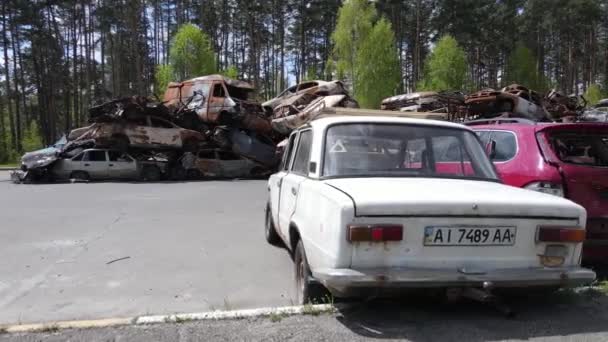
564	159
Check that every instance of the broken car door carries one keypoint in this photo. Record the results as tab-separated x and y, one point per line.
216	101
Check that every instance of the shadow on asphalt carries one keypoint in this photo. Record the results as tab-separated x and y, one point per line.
556	314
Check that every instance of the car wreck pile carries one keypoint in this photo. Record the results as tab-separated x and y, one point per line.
208	126
513	101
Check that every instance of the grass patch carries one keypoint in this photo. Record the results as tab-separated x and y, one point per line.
51	328
277	317
8	165
602	287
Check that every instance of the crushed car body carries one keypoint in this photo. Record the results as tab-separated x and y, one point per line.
218	100
286	121
513	101
425	101
317	88
144	131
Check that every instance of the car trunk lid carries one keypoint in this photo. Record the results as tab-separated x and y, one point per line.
422	206
426	197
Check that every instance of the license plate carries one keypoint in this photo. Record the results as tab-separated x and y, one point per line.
469	236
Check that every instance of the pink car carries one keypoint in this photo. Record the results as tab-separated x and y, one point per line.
564	159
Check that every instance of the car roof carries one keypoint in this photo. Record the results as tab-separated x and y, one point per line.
536	126
378	116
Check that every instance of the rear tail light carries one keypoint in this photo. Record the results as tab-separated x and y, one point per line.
375	233
547	188
560	234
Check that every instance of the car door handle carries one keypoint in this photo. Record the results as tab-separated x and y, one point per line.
294	191
111	164
86	164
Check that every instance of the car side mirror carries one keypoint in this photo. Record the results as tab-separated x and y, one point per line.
491	149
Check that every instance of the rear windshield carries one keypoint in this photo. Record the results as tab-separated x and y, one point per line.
580	148
399	150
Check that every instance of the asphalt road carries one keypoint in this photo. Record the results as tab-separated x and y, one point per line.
560	317
187	247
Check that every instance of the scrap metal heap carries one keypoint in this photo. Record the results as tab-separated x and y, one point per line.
513	101
205	126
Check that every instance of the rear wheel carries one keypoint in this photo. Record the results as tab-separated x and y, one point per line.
307	291
80	175
272	237
150	173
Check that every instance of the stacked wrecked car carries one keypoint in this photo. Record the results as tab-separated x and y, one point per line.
209	126
513	101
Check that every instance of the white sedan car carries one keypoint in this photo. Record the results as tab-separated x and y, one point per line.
373	203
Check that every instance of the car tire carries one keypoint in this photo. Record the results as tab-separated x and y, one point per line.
307	292
272	237
80	175
150	173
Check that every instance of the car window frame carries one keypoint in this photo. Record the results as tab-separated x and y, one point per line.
288	161
491	138
297	149
96	161
325	132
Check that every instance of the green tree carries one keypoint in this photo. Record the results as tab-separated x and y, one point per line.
521	68
163	75
377	68
191	53
446	67
354	23
32	140
593	94
231	72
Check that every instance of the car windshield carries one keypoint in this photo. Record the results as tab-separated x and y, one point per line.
404	150
581	148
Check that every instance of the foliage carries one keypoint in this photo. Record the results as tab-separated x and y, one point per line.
445	68
162	76
32	140
191	53
355	22
311	74
521	68
593	94
231	72
377	69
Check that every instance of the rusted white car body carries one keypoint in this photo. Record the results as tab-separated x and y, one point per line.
377	203
146	131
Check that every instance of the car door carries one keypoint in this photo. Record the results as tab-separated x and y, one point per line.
291	182
217	99
121	166
164	133
95	163
275	181
232	165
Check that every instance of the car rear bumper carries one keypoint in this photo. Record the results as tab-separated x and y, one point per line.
344	278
